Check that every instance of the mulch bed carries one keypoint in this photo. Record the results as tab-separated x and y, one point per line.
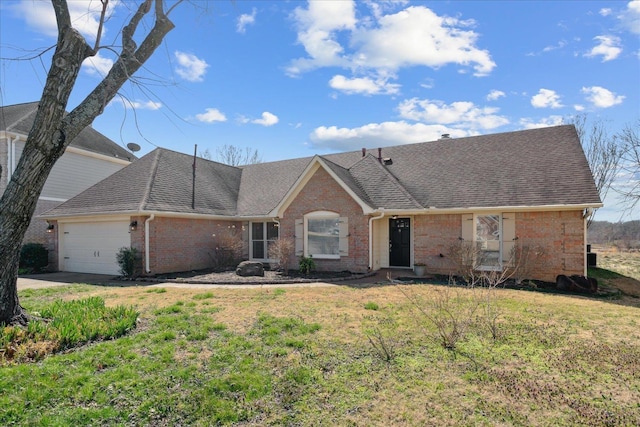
270	277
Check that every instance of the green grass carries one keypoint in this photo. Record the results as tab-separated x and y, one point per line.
305	358
64	324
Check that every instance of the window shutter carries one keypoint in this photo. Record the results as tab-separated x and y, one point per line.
343	244
299	237
508	237
467	232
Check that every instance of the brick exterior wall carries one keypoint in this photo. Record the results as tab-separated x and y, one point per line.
323	193
37	231
435	235
557	236
183	244
3	164
560	235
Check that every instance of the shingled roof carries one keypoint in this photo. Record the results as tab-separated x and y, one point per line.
530	168
19	119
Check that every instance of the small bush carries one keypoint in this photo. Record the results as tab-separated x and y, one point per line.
228	247
307	265
127	259
34	257
281	250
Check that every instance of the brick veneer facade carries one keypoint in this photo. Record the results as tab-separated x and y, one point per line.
323	193
558	236
182	244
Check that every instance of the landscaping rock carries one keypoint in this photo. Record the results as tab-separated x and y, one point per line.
575	283
250	268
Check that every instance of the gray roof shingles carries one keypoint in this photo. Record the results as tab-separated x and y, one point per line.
19	118
538	167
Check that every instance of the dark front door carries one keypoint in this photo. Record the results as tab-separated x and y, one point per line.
399	242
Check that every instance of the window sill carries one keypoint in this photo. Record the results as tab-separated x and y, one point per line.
319	256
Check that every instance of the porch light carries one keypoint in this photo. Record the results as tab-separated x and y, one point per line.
133	226
50	228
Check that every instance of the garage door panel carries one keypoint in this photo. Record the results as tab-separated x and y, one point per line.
92	247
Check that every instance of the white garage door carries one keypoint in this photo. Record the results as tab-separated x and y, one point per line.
91	247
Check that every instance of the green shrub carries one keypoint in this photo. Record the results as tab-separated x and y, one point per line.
127	259
34	257
307	265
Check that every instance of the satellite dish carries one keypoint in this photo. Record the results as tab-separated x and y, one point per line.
133	147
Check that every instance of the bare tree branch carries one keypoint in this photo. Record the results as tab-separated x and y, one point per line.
603	153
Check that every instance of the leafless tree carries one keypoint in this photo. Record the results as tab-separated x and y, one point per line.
629	138
53	130
603	151
234	156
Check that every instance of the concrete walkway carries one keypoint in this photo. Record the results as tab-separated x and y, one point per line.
47	280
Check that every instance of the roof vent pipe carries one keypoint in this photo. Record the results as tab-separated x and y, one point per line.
380	155
364	151
446	136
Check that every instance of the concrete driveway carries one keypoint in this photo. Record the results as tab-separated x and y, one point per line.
47	280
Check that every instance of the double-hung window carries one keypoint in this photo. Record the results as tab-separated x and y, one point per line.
263	234
488	232
493	236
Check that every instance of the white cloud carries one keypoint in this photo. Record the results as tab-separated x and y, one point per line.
316	32
559	45
139	105
268	119
542	123
579	107
546	98
379	134
363	85
601	97
97	65
211	115
147	105
605	11
460	113
85	16
630	18
244	20
608	47
495	95
415	36
190	67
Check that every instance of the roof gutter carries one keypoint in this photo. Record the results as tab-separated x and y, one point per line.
147	268
479	209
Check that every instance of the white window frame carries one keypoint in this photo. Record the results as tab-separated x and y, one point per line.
342	235
265	239
479	242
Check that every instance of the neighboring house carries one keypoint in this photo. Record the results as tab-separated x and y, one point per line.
356	211
89	158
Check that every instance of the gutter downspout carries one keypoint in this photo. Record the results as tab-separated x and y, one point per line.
146	243
587	213
371	219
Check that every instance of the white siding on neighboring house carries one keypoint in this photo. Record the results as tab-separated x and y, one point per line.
74	172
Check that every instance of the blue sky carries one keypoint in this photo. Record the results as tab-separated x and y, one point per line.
297	78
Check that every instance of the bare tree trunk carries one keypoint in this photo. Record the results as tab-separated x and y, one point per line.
45	144
52	132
